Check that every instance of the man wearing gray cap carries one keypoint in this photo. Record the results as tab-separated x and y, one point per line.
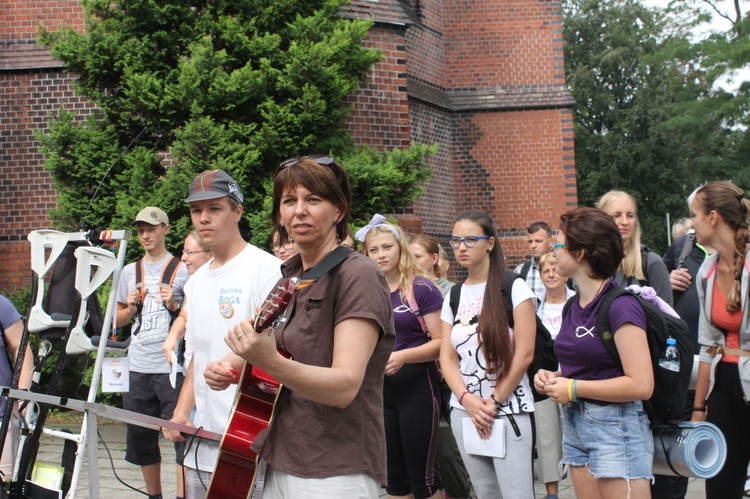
220	294
151	291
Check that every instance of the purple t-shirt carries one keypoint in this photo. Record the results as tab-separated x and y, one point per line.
409	331
8	317
579	348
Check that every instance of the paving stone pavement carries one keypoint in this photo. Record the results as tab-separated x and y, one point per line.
113	435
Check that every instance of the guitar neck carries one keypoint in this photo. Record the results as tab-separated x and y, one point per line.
109	412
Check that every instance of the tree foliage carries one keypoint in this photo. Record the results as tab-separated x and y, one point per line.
237	85
648	119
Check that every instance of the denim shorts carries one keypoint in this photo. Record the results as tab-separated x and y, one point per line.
613	439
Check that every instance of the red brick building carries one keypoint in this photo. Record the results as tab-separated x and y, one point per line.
484	80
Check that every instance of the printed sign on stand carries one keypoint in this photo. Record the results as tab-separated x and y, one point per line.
115	375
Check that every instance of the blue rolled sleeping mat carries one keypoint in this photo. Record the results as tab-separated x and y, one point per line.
689	449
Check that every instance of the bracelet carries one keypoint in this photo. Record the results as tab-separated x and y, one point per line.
461	397
570	389
575	395
697	408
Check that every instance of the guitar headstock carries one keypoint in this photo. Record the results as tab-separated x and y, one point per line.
275	304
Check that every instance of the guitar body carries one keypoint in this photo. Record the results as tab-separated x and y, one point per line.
235	474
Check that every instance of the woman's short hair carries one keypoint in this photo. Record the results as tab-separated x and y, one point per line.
320	175
594	232
546	259
681	226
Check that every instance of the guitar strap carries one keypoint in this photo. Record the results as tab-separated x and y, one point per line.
327	264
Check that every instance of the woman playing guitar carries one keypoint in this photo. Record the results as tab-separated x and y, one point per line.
326	438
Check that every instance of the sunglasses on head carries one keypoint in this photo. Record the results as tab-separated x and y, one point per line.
321	159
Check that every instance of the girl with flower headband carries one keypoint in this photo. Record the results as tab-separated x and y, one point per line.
720	213
411	388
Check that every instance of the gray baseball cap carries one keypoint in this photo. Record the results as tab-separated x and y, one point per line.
214	184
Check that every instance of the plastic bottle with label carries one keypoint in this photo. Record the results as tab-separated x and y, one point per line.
670	357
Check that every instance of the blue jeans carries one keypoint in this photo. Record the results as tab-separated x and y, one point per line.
613	439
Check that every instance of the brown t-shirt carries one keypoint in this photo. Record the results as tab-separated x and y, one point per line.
312	440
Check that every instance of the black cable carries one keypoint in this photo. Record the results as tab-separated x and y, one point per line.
112	464
85	213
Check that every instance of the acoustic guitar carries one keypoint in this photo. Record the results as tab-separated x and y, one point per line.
237	473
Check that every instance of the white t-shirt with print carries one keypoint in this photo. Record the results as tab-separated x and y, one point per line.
217	299
144	353
465	340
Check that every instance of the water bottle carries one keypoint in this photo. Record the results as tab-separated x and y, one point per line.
669	358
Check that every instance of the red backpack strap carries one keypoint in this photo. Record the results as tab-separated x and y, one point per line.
139	272
170	271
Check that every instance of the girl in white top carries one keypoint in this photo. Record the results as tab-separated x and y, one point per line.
485	362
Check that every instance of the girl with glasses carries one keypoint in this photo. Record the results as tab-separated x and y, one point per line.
484	363
411	391
194	255
607	442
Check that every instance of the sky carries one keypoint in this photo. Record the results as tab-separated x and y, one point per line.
717	23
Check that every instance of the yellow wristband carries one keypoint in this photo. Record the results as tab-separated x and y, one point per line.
570	390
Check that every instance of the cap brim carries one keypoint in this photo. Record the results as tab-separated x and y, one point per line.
204	195
137	221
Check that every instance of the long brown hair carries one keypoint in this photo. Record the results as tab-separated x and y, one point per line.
494	335
730	202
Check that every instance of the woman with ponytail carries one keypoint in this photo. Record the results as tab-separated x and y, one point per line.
720	213
485	363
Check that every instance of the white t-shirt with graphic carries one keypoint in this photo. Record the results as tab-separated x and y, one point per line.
144	353
217	299
465	340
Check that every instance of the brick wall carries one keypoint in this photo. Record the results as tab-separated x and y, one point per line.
483	80
21	19
26	190
380	109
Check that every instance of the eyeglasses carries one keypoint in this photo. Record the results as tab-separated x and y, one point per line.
557	246
191	253
469	241
321	159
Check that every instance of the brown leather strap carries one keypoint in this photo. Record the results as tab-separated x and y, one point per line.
718	349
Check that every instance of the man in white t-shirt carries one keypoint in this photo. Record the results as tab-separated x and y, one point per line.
152	305
221	293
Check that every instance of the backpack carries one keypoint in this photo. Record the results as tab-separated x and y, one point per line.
687	247
525	269
670	387
544	353
167	278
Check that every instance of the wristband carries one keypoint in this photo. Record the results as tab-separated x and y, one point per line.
697	408
570	389
461	397
575	395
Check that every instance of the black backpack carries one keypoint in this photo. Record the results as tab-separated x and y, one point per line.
670	387
544	353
